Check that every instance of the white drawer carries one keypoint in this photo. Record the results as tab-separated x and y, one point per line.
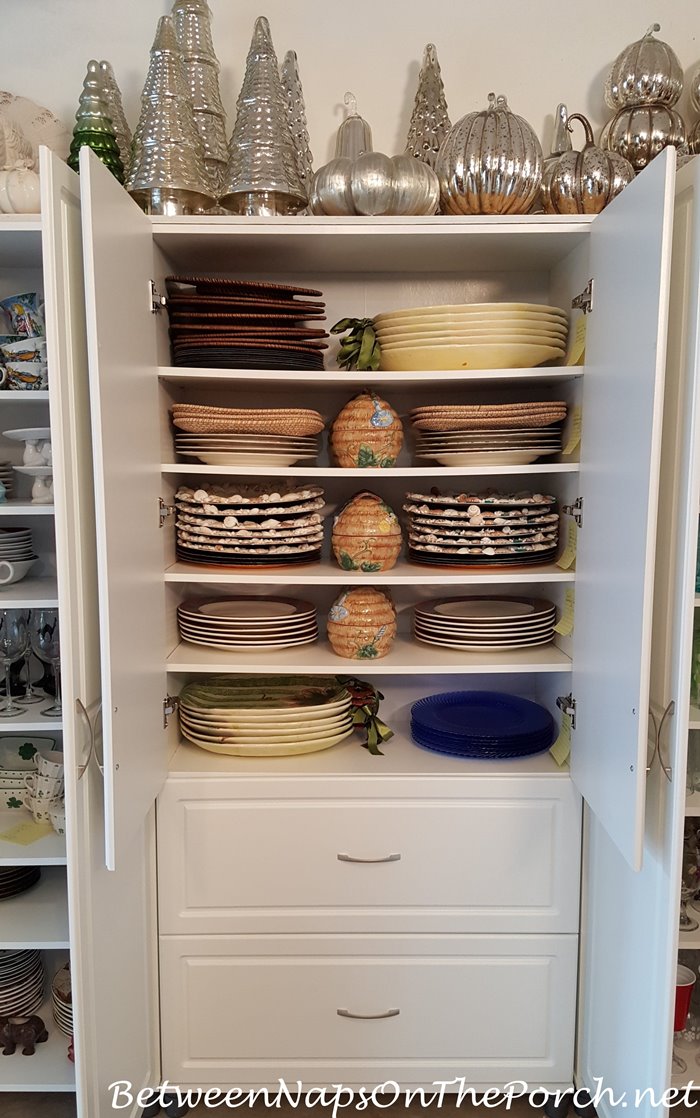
248	1010
476	863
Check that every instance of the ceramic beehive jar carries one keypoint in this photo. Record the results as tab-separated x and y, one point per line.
362	624
366	433
366	535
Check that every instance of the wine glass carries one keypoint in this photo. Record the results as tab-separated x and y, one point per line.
14	639
30	695
46	645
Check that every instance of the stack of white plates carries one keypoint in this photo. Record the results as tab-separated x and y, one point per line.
62	1000
247	450
21	983
255	525
488	529
471	336
16	545
265	716
485	624
242	624
488	434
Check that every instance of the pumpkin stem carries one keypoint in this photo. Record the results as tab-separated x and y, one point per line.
586	125
650	30
351	101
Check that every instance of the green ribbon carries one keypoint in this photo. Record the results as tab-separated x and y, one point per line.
377	731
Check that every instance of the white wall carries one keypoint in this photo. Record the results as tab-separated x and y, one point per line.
535	51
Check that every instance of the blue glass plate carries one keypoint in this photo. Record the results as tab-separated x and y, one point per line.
481	714
483	752
458	741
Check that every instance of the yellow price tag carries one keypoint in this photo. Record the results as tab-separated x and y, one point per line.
574	431
27	832
561	750
568	556
565	624
577	347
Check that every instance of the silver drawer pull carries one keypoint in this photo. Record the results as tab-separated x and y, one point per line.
369	861
368	1016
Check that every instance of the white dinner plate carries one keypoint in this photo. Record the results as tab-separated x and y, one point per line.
493	356
270	750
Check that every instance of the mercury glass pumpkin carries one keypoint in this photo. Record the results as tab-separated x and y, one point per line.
490	163
644	72
641	132
362	181
584	182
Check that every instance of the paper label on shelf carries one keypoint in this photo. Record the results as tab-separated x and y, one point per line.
577	348
574	431
27	832
568	556
565	624
561	749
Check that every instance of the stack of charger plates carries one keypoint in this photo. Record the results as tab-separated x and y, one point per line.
265	716
481	724
17	879
485	623
242	624
471	336
488	434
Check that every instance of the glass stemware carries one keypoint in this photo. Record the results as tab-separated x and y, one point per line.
30	696
45	642
14	639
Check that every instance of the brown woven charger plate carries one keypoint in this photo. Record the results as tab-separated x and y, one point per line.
246	329
220	413
217	283
489	409
242	340
213	341
533	419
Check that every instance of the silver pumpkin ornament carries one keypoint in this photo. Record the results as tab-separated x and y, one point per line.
584	182
644	72
640	132
362	181
490	163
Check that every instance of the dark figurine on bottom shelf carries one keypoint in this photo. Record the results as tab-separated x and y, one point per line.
25	1031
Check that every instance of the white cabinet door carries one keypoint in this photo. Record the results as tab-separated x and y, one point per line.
622	418
114	1035
124	394
631	932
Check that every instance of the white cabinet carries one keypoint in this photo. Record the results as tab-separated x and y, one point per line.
225	822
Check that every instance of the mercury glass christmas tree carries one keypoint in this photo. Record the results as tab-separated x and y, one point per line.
296	111
430	121
262	176
167	173
192	21
113	97
93	125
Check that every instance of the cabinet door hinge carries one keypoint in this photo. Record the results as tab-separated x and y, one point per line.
156	301
567	704
164	511
584	301
170	705
575	510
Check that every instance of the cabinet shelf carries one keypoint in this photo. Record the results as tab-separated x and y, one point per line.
30	720
49	1069
328	573
39	917
355	244
37	593
23	397
433	473
407	657
338	378
20	240
25	508
47	851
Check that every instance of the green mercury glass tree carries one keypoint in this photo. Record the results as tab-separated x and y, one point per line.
93	125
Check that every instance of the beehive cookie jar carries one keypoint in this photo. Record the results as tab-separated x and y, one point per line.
362	624
366	535
367	433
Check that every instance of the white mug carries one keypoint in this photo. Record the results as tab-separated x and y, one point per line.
44	788
49	762
15	570
41	811
57	815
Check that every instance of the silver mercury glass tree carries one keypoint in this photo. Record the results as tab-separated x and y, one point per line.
167	173
262	175
430	121
121	128
296	110
192	21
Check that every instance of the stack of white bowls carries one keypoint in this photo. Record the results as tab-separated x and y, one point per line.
471	336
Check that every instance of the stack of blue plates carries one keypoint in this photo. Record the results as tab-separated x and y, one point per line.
481	724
